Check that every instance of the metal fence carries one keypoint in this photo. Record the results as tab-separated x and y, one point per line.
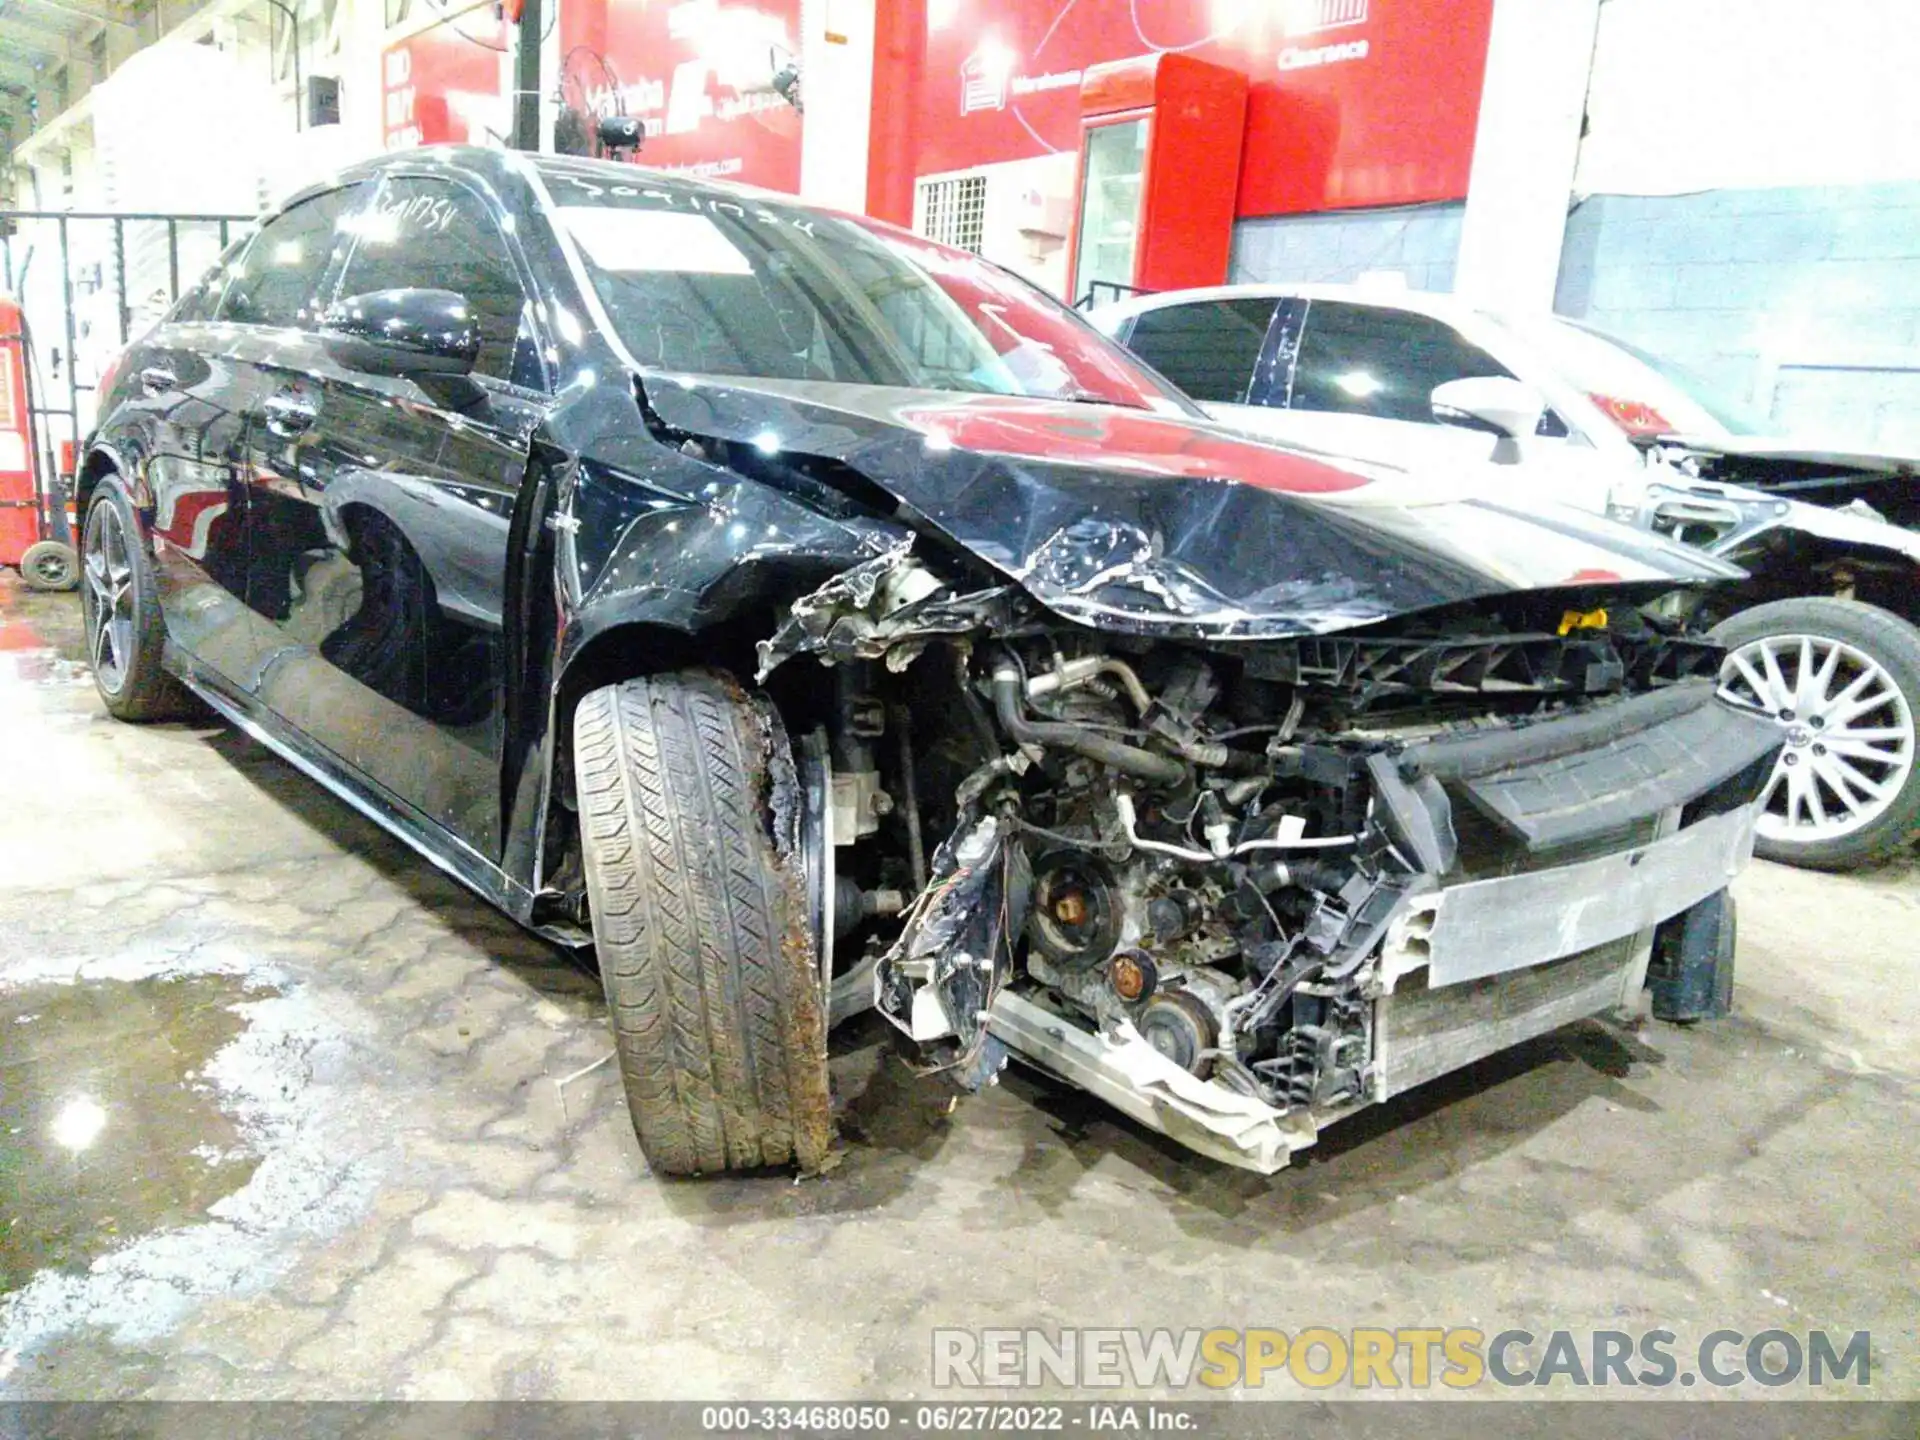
1101	291
88	282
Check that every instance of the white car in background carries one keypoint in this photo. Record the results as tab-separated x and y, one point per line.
1824	635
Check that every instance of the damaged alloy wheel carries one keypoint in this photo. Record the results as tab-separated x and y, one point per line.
689	827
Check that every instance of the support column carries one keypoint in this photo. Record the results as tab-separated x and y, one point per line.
526	75
899	57
837	87
1539	59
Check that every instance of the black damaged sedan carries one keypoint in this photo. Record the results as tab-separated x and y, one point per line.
815	619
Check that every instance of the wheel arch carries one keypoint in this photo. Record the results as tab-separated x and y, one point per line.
634	646
1814	566
103	460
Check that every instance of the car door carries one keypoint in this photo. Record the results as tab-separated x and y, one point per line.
201	374
385	504
172	422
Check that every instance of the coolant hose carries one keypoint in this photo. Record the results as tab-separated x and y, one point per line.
1142	764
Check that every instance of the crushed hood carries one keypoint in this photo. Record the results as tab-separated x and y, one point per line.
1888	482
1165	523
1769	447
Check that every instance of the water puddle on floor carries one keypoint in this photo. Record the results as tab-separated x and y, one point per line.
108	1128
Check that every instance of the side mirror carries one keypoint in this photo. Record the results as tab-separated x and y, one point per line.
1509	408
408	333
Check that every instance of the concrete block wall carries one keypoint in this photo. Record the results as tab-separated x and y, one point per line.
1802	302
1422	242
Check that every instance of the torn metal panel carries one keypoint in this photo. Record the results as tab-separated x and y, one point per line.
887	606
1137	1080
936	981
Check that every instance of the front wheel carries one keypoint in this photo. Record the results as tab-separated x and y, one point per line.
1842	679
687	800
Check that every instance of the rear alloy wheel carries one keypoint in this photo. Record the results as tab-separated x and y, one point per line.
50	565
689	826
1843	680
121	608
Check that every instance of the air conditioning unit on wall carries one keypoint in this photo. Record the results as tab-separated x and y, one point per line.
1016	214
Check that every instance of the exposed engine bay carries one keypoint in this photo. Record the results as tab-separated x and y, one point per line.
1239	890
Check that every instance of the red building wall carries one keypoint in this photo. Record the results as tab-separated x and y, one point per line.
1351	102
682	69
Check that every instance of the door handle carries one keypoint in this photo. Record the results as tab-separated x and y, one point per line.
288	414
157	378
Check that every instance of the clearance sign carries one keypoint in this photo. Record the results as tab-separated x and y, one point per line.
1351	102
695	73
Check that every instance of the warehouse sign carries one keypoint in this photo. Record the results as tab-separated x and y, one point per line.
1351	102
696	75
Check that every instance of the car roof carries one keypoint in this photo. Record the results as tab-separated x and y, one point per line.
496	165
1392	297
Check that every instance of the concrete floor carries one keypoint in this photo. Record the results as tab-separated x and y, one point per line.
349	1143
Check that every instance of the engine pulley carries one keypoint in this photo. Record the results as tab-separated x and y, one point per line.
1075	920
1178	1025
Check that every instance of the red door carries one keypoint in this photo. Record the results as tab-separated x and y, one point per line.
19	505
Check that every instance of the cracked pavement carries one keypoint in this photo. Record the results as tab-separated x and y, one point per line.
382	1188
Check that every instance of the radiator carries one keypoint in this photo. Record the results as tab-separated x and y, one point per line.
1420	1033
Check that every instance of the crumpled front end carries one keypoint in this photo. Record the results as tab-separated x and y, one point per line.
1508	892
1241	892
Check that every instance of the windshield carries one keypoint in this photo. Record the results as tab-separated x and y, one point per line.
1643	394
711	284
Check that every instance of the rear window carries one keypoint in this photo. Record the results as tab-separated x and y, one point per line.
1208	348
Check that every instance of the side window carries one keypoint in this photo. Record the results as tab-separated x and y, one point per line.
1368	360
432	235
196	302
274	280
1209	348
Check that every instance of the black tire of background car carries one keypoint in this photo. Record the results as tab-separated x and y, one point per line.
148	691
1895	645
50	565
698	918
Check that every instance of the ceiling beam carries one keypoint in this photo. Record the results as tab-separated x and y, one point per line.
25	75
13	15
17	32
83	10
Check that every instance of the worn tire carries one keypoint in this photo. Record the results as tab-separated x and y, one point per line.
699	920
50	565
140	688
1894	645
